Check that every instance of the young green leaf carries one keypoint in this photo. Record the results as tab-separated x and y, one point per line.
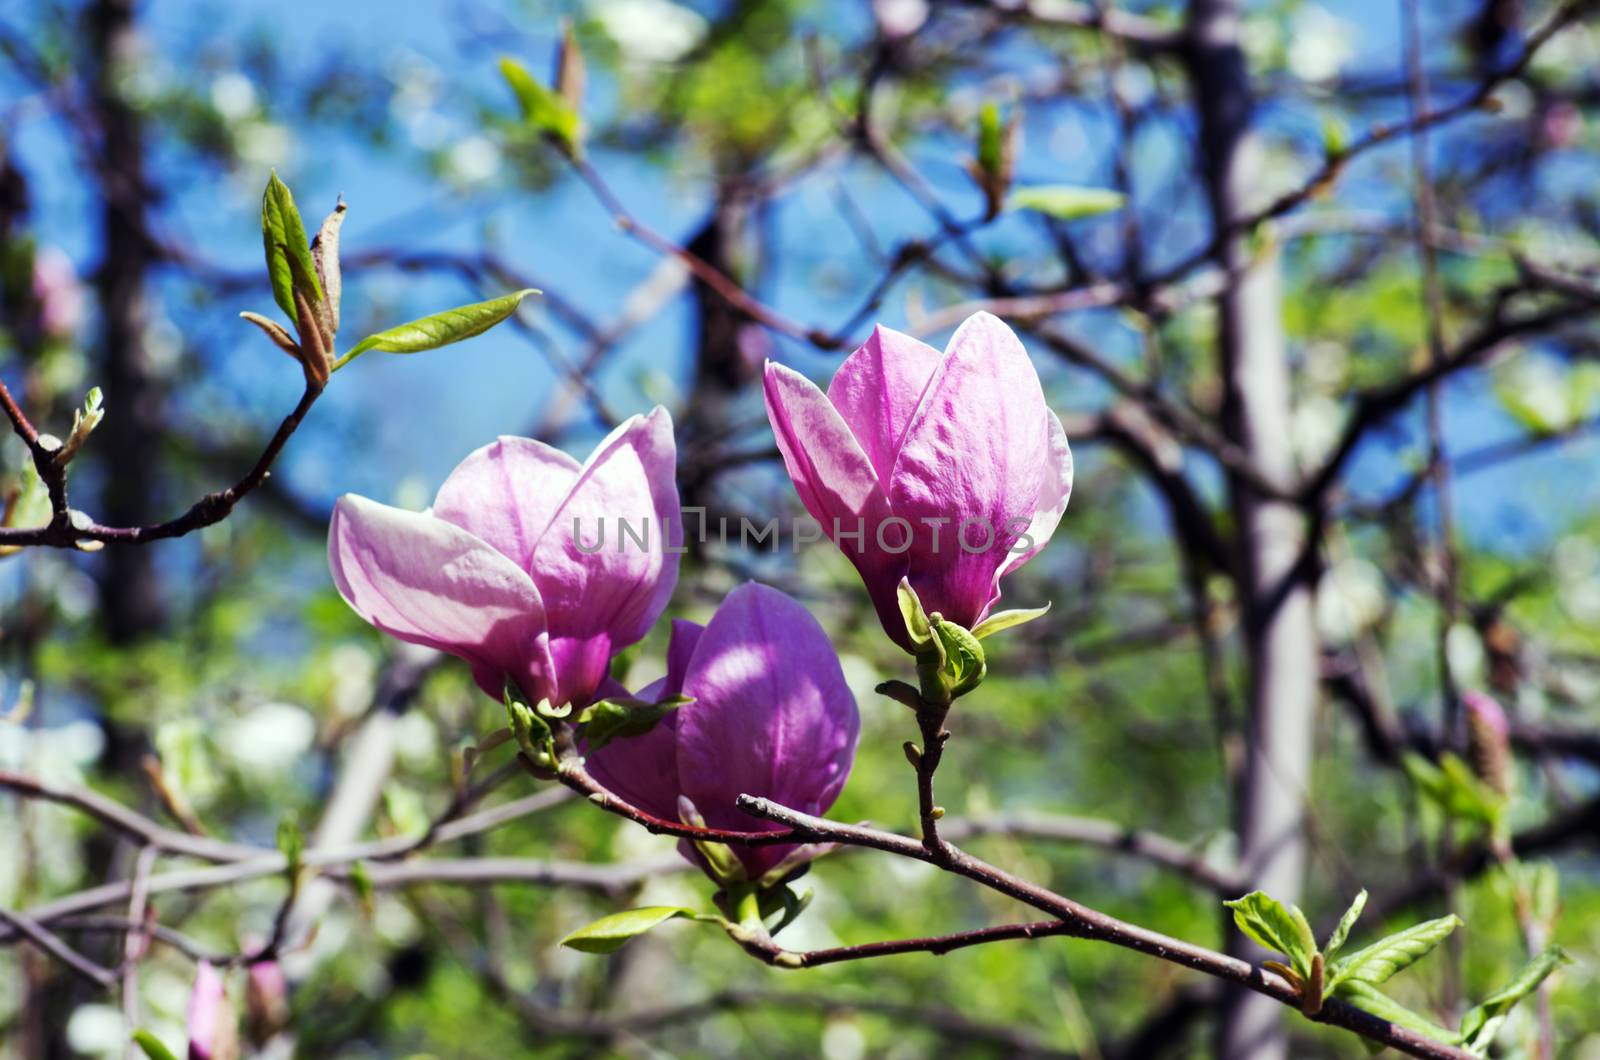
1455	788
1281	929
543	110
1065	202
1004	620
1381	960
1482	1022
616	719
441	329
1342	931
1367	997
283	235
151	1046
610	933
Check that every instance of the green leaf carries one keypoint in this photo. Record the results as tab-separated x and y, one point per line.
151	1045
1384	958
1342	931
1004	620
542	109
1455	788
610	933
1482	1022
441	329
1065	202
283	235
617	719
991	135
291	841
1367	997
965	666
1280	929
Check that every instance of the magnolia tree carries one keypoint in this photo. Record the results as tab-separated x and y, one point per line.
531	617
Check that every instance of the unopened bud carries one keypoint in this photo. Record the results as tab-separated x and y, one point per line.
314	357
325	252
571	73
1489	740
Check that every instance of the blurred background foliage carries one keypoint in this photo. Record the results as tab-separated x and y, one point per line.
810	150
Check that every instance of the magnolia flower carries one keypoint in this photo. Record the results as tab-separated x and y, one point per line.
946	469
505	570
205	1018
770	716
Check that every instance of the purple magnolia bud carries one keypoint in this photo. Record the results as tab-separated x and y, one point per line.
947	469
529	565
1489	740
207	1005
771	717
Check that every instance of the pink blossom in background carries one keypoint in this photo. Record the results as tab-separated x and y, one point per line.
207	1005
942	461
59	292
495	573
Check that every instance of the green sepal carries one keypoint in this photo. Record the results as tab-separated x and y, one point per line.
532	731
624	716
918	627
965	665
1004	620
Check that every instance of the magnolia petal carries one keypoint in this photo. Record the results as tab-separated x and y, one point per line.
600	600
1054	493
877	389
837	484
772	716
506	494
432	583
974	457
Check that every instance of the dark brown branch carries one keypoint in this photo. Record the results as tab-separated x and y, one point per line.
67	529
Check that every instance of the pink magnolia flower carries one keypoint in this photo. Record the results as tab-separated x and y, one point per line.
512	569
59	292
205	1018
771	716
947	469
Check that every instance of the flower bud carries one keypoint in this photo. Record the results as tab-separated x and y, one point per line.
1489	740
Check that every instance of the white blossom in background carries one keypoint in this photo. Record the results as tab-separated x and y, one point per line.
1320	44
233	96
269	738
1350	597
651	31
